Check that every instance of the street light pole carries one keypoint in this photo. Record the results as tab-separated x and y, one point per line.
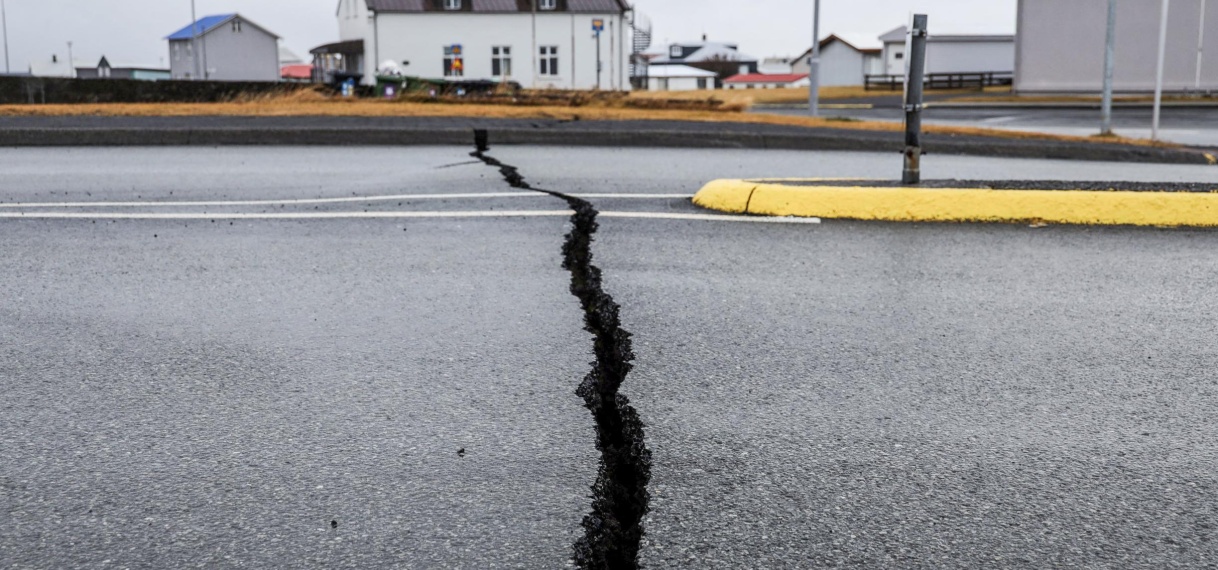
4	22
194	40
814	63
71	66
1109	66
1200	46
1154	129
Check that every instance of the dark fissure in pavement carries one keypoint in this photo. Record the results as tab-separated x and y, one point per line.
614	528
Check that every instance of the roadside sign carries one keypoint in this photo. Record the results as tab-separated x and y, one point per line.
598	25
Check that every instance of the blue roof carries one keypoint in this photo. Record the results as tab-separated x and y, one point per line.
204	24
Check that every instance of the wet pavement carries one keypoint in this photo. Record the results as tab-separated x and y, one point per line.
364	391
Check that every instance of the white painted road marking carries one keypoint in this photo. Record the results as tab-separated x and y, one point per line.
393	215
344	200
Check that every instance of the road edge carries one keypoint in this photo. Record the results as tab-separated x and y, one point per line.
591	136
898	204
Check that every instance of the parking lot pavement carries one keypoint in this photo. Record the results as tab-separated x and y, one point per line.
935	396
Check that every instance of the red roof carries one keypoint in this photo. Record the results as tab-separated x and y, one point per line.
766	78
296	71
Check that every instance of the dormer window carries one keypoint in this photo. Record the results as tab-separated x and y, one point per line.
548	4
676	52
452	4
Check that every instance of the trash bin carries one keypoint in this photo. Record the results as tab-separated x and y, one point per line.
389	86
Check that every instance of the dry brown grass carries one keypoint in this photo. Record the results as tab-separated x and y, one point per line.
314	105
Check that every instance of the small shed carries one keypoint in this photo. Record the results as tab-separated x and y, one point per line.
679	78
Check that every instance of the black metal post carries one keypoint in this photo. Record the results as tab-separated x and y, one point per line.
914	74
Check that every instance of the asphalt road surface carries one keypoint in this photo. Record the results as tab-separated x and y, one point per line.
368	357
1196	126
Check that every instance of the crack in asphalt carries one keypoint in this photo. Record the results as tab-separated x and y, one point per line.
614	529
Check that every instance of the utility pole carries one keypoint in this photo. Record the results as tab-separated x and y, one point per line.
1109	67
1154	129
1200	46
71	66
915	70
814	63
4	21
194	41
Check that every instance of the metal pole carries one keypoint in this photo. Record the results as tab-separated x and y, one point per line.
1109	67
4	21
1154	129
598	61
194	40
1200	46
71	66
915	70
814	63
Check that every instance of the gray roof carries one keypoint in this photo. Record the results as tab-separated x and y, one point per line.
601	6
494	5
396	5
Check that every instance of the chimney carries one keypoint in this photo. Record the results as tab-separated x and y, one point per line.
54	58
703	37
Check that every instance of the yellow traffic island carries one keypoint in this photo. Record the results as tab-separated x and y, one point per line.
1034	202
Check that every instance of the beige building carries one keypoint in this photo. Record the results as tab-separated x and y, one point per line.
1060	46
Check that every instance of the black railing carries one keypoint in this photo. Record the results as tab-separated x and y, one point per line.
964	80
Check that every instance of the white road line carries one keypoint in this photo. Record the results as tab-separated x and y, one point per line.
281	215
344	200
393	215
710	217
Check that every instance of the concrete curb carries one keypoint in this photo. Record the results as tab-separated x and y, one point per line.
589	134
896	204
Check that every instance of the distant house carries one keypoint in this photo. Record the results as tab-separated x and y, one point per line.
766	81
844	60
538	43
227	47
1060	46
679	78
724	59
55	67
103	70
953	53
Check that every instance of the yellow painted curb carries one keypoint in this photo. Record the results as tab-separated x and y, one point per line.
895	204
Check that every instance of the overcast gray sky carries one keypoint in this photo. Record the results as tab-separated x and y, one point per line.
131	31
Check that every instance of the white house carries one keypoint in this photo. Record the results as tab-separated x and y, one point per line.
225	47
537	43
845	60
766	81
1060	46
679	78
953	53
706	54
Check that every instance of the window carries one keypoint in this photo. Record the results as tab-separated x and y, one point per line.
549	61
548	4
454	63
501	61
237	26
676	52
452	4
898	55
702	83
177	51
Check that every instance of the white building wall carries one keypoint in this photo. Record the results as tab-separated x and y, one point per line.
969	56
421	39
353	20
679	83
951	56
1061	46
840	66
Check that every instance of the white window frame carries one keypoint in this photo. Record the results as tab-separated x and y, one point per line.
501	57
547	4
449	70
452	4
547	62
236	26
